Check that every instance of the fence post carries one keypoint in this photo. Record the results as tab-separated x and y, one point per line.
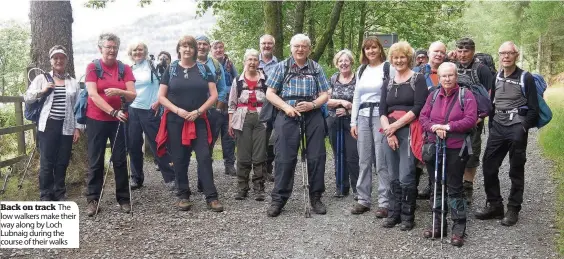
19	122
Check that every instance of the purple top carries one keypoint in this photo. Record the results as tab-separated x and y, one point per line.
458	120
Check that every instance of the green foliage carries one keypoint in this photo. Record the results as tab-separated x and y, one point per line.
14	56
550	140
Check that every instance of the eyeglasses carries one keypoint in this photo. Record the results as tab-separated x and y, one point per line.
111	47
507	53
301	46
437	52
266	43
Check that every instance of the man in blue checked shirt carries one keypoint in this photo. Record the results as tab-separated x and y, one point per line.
298	87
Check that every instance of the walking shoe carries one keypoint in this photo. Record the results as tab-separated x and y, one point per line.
436	233
390	222
381	213
135	185
170	186
230	170
424	194
91	208
359	209
126	207
511	218
338	194
468	190
157	168
457	241
260	196
241	195
184	204
407	225
317	206
215	206
490	212
355	196
274	210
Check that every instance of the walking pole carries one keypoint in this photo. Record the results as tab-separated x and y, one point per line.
9	171
124	107
305	176
443	182
342	154
107	170
20	184
338	178
437	144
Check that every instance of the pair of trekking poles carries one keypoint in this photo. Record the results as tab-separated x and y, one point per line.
303	162
440	153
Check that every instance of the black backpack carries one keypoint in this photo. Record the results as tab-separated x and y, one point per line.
386	70
33	110
261	81
487	60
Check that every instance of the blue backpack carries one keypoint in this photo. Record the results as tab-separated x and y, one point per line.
203	72
80	107
33	110
545	114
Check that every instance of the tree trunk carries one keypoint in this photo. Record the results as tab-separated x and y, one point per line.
300	17
331	52
51	24
350	28
311	26
549	52
342	38
361	25
328	34
539	55
273	24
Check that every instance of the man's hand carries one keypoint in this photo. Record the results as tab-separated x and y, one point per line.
291	111
304	106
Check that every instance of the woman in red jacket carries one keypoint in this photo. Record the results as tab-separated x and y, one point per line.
448	115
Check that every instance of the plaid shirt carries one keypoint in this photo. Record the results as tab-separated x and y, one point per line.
300	85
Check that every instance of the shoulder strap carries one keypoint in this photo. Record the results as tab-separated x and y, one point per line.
48	77
386	70
218	68
412	81
474	72
461	95
447	115
153	71
172	70
390	83
99	70
121	71
203	71
239	87
522	83
361	70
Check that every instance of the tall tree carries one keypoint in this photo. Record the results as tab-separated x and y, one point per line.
361	25
299	17
328	34
273	24
51	24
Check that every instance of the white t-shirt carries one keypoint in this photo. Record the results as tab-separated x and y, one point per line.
368	89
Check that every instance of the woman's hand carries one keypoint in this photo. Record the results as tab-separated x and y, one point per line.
390	130
48	87
346	104
193	115
393	142
441	133
354	132
76	135
182	113
341	112
113	92
230	131
121	116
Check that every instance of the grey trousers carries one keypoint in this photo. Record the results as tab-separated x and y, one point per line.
364	184
401	162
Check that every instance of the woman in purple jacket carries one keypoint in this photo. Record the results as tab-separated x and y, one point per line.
449	114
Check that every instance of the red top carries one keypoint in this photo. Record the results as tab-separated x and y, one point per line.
434	77
188	133
252	94
110	80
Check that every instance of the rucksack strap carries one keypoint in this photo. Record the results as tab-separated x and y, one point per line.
386	70
100	72
361	70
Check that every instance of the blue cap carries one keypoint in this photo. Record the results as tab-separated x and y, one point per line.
203	38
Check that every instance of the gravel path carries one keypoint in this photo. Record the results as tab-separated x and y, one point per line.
159	230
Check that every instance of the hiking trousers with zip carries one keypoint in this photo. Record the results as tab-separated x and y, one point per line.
350	153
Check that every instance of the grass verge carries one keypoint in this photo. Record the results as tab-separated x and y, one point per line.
551	142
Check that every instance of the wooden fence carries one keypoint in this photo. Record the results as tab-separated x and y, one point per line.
19	129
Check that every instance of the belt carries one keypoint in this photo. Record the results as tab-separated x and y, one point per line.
254	104
515	110
368	105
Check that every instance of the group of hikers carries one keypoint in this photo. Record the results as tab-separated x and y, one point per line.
400	111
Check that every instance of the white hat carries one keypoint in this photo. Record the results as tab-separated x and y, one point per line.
56	51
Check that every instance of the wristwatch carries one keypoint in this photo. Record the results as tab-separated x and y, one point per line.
199	112
314	105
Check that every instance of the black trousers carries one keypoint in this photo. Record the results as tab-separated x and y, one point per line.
287	154
144	121
98	133
454	172
350	152
502	140
181	157
55	151
269	148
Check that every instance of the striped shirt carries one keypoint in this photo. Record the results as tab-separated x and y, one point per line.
59	103
299	86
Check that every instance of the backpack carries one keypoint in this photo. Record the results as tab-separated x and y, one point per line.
154	71
82	103
480	94
545	114
315	73
386	70
487	60
473	72
425	70
201	67
411	82
240	86
32	111
218	68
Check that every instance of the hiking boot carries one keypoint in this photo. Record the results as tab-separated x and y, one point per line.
215	206
338	194
170	186
424	194
490	212
359	209
391	222
317	206
274	210
91	208
468	190
381	213
355	196
126	207
184	204
457	241
241	195
230	170
407	225
260	196
135	185
511	218
157	168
